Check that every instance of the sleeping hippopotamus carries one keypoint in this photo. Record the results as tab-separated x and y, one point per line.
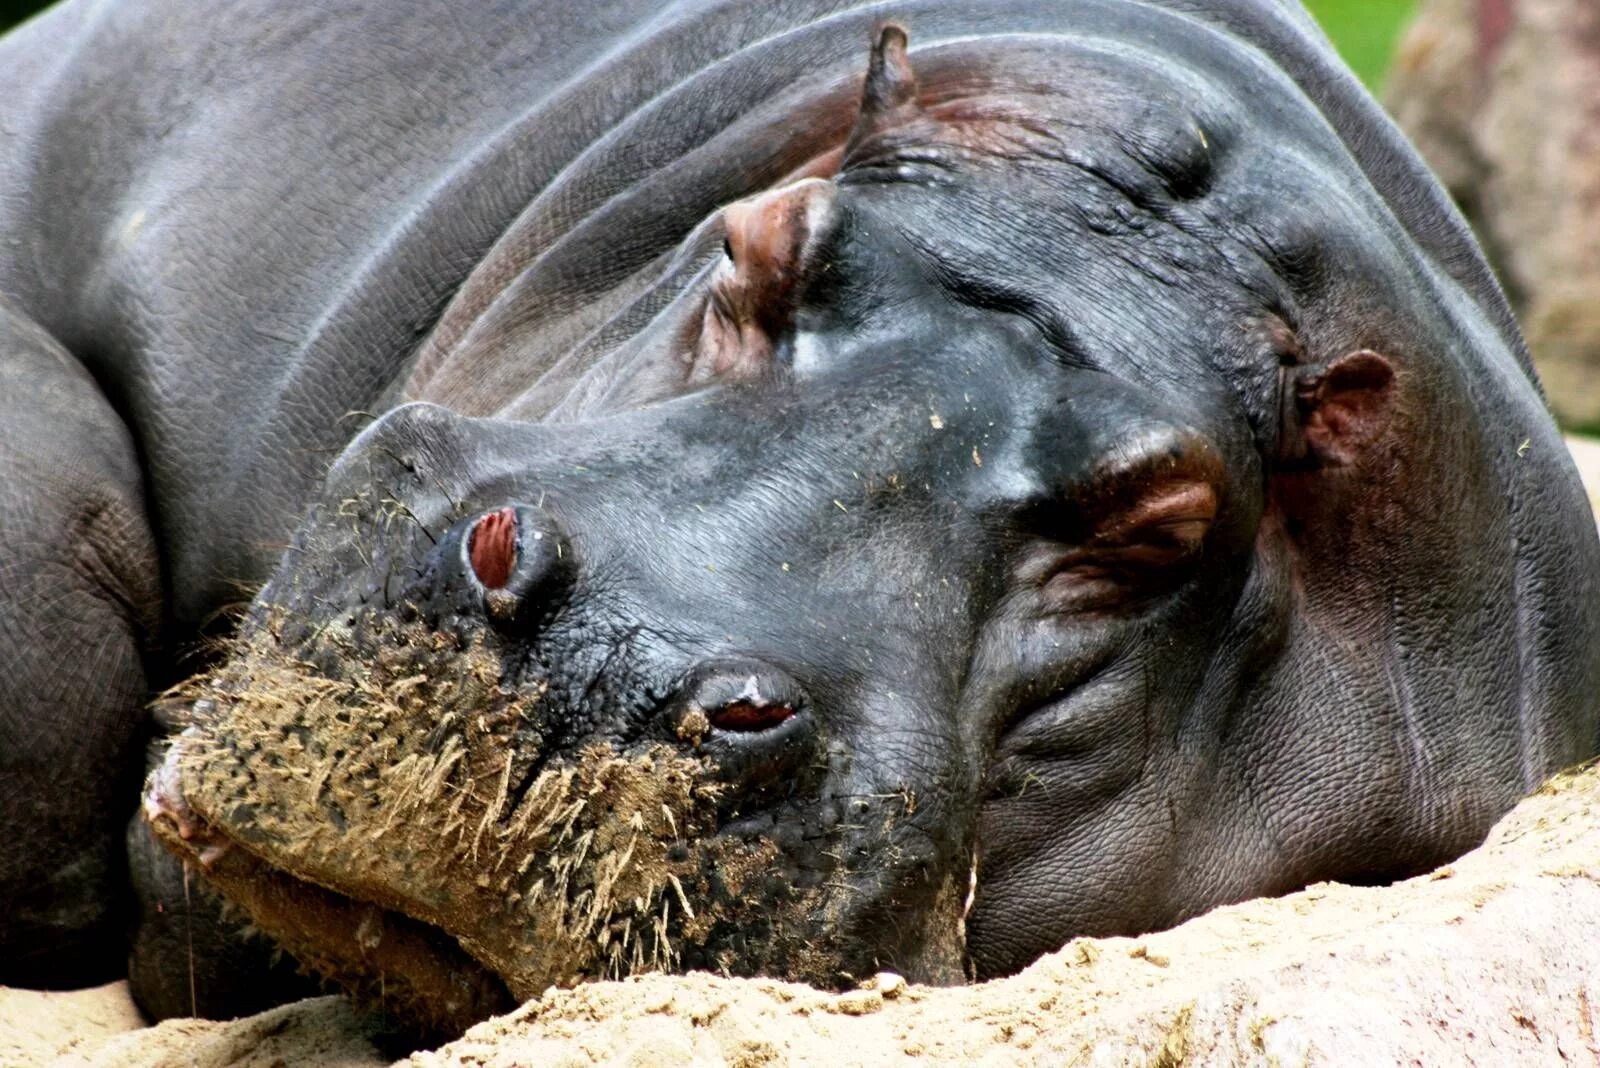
790	489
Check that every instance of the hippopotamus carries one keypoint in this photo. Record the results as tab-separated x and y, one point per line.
788	489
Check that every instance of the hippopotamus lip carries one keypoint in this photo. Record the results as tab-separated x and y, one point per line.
426	976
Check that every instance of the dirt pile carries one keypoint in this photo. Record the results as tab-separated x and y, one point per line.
1489	958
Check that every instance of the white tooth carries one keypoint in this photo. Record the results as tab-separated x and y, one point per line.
972	887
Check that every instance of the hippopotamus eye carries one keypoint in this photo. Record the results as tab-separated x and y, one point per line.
1138	524
769	239
748	716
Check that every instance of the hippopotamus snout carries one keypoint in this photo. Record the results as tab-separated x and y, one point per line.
515	568
625	683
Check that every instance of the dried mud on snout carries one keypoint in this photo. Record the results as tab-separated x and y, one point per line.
391	819
1491	959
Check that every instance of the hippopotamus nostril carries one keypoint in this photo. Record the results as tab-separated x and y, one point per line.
763	701
510	564
752	720
492	547
738	697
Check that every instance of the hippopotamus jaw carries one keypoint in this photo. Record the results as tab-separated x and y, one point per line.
383	956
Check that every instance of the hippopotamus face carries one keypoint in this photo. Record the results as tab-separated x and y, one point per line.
724	669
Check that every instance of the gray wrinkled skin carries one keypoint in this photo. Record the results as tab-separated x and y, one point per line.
1108	453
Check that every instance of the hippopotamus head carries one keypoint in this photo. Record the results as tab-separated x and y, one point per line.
923	497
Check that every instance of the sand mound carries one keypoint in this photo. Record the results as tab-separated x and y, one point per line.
37	1025
1488	958
1586	452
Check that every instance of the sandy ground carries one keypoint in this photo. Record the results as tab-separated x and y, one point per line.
1489	960
1586	452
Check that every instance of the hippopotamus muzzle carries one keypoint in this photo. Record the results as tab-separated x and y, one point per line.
502	721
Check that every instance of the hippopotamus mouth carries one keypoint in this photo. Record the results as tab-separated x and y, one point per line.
391	804
447	914
387	956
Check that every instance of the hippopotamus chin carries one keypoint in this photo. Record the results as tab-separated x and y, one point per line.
1077	474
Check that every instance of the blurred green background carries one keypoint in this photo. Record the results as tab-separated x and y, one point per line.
1364	30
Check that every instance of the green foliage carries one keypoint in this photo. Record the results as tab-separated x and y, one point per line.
1364	31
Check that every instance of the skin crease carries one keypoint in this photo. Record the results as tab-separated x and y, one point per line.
1116	468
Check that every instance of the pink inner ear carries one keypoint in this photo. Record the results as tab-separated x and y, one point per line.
492	547
753	292
1350	405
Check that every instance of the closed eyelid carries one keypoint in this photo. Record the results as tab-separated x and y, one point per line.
754	290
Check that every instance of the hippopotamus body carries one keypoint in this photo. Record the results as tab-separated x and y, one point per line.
794	488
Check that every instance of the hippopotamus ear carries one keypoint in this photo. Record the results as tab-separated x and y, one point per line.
889	94
1332	412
